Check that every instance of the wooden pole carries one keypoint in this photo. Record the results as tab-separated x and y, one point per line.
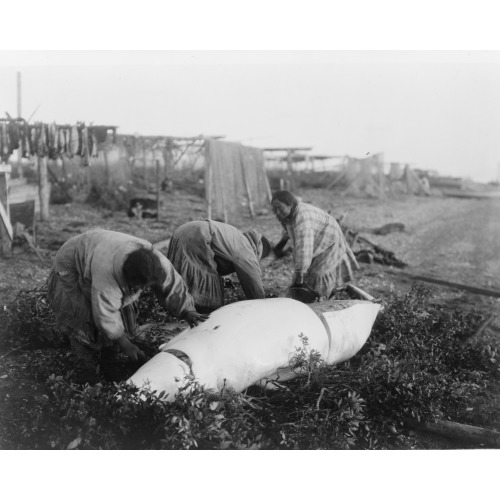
268	187
289	168
19	115
381	175
106	166
489	292
461	432
408	179
482	327
145	166
208	182
337	178
5	170
247	188
157	162
43	188
5	226
223	197
6	232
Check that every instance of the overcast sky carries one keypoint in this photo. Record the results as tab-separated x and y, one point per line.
434	110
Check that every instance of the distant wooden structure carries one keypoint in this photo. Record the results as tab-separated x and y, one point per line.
290	155
232	175
404	180
361	176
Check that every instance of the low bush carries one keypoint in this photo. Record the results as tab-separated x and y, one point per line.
415	366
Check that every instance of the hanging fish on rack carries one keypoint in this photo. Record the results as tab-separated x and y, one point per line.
34	138
26	140
13	131
74	143
61	141
51	141
42	144
94	149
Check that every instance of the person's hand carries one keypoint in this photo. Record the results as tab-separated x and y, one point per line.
278	252
298	279
278	249
131	350
136	355
193	318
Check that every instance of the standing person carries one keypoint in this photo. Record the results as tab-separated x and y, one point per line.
321	254
203	251
93	286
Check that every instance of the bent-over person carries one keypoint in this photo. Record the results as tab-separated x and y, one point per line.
203	251
322	257
93	287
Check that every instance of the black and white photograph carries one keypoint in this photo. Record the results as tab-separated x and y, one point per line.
270	250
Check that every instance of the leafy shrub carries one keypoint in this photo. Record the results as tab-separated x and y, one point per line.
417	365
29	321
414	366
117	416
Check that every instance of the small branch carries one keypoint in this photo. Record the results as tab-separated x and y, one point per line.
482	327
15	349
320	397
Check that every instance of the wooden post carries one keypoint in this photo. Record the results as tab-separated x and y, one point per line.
5	227
247	188
223	197
5	170
19	95
289	168
43	188
106	166
268	188
19	115
157	162
208	182
461	432
408	179
145	167
381	175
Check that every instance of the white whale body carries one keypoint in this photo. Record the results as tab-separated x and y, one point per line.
251	342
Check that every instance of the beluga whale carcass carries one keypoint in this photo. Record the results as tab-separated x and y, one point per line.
251	342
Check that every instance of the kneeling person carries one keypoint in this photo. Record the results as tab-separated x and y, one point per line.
203	251
93	287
